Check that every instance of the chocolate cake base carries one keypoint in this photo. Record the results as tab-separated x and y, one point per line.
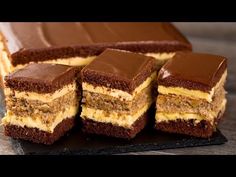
93	127
203	129
38	136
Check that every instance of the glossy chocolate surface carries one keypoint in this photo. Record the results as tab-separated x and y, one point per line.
39	35
45	41
119	70
193	71
41	78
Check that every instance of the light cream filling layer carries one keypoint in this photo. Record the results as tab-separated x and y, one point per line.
194	94
74	61
83	61
11	119
5	64
45	97
161	56
163	116
118	93
122	120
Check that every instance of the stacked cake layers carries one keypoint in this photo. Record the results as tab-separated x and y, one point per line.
117	93
42	102
191	96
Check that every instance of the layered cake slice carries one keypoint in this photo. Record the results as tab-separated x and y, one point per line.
191	96
42	102
117	93
77	44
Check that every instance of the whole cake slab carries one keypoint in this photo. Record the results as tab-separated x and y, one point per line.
79	43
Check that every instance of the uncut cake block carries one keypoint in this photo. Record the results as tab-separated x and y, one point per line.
191	96
42	102
77	44
117	93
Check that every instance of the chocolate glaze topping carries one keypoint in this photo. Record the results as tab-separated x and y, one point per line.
192	71
119	70
42	78
28	41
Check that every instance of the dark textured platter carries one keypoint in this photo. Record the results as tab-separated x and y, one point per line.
79	143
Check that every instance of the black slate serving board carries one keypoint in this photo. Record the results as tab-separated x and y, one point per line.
79	143
76	142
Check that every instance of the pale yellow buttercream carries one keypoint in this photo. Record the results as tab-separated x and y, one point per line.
122	120
44	97
5	64
194	94
161	56
165	116
118	93
11	119
74	61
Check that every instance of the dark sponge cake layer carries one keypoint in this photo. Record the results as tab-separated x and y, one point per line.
107	129
118	69
42	78
38	136
196	71
203	129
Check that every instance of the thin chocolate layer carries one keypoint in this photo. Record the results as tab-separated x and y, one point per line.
42	78
37	136
107	129
27	41
192	71
118	70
